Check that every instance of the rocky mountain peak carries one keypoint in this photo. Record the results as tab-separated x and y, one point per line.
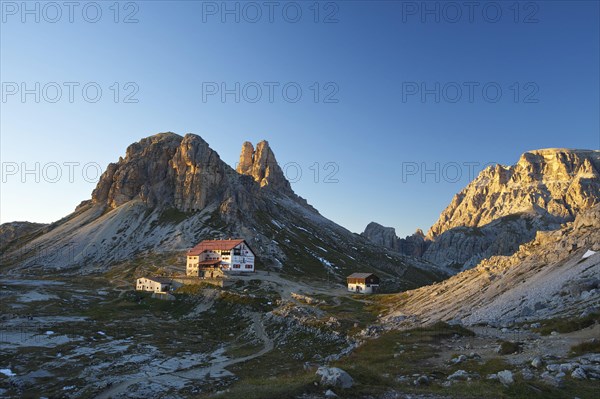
555	183
414	245
164	170
381	235
260	163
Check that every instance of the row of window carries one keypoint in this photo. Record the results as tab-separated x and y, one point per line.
237	266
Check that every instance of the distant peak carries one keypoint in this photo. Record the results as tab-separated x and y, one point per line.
558	182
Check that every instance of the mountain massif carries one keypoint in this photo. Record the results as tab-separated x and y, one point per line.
554	275
501	298
504	207
169	192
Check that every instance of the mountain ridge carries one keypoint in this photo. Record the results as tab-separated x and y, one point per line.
504	207
169	192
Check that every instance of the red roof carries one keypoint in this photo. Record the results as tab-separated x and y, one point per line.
209	262
211	245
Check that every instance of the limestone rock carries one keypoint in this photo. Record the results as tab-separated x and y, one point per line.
421	380
557	183
537	362
169	192
260	163
168	170
506	207
579	374
506	377
544	278
14	230
527	374
334	377
459	375
465	247
144	172
414	245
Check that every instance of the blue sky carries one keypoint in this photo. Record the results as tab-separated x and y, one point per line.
363	120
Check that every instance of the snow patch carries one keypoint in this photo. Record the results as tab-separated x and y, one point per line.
276	223
7	372
301	228
327	263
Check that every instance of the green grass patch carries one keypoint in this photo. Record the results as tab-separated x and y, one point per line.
567	325
195	289
257	303
352	314
138	303
281	387
592	346
398	353
509	347
490	366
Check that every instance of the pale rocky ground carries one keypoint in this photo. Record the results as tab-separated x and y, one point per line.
123	360
545	278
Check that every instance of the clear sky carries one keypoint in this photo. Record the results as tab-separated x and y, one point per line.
400	101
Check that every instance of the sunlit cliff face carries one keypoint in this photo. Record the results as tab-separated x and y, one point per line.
556	182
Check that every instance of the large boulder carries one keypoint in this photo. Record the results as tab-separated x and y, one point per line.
334	377
506	377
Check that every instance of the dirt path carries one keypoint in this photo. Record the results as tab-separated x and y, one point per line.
217	368
286	287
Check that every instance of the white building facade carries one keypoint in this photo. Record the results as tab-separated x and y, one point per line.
363	283
225	255
153	284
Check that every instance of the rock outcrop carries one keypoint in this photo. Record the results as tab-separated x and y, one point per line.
463	247
555	183
165	170
414	245
547	277
10	232
260	163
334	377
381	235
505	207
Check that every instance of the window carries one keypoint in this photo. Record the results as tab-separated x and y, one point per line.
236	266
236	251
248	266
